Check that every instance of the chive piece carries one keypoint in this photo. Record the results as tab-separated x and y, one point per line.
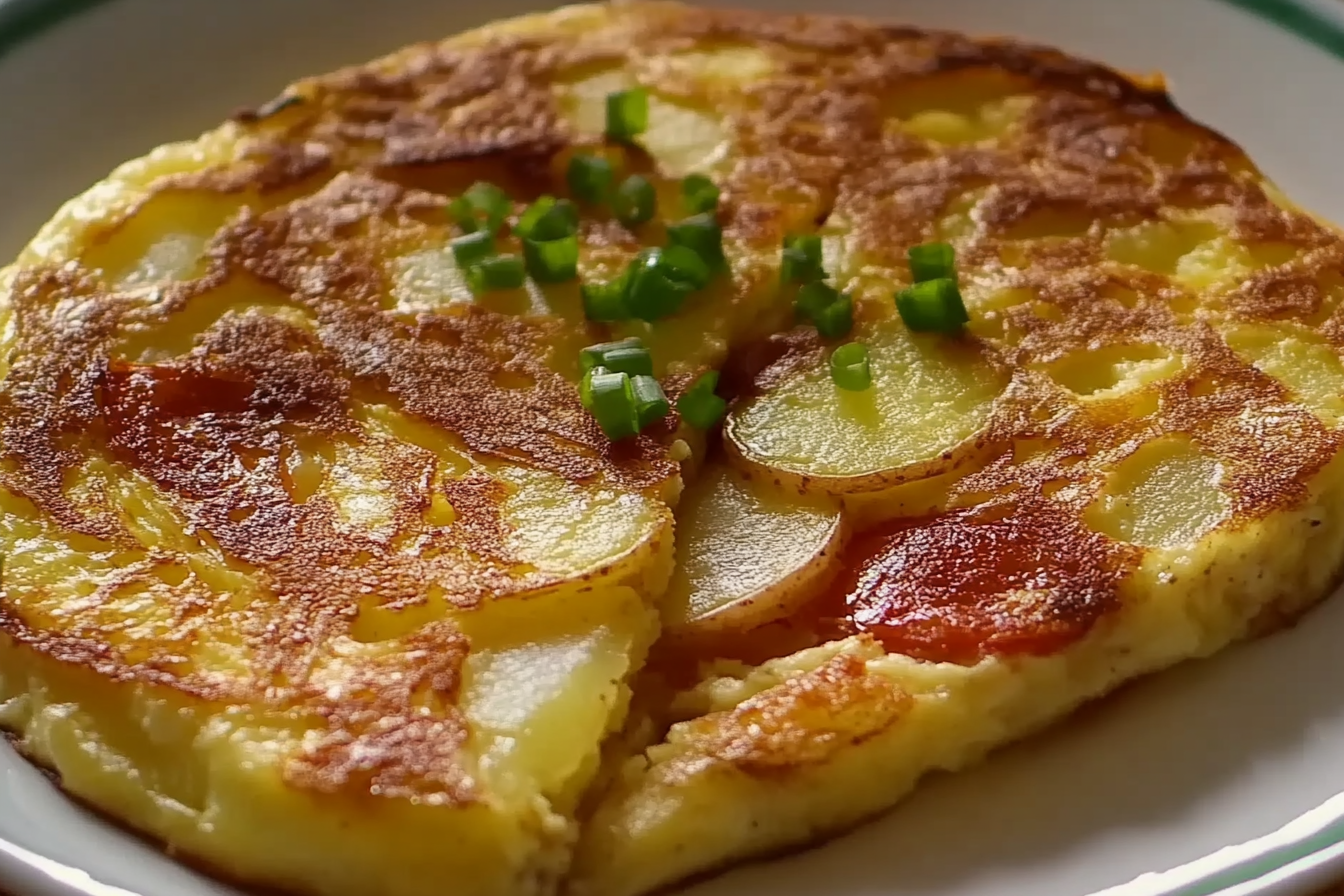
627	113
473	247
635	361
813	300
686	266
837	319
828	309
700	233
850	368
934	306
624	356
606	301
552	261
659	284
800	261
548	219
651	403
483	206
932	261
635	201
496	272
699	194
590	178
586	386
698	405
612	401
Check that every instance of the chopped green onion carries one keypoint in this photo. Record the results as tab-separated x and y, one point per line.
837	319
635	200
627	113
800	261
934	306
829	310
606	301
635	361
548	219
473	247
813	299
698	405
483	206
586	386
850	369
687	266
660	281
624	356
702	234
496	272
651	403
932	261
699	194
552	261
611	399
590	178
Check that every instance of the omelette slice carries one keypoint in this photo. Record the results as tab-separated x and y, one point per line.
324	564
1128	457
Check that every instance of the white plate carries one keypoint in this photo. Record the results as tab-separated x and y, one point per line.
1220	776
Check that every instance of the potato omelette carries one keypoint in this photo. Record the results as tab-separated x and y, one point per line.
613	444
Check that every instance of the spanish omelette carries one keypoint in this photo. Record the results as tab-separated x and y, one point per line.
317	569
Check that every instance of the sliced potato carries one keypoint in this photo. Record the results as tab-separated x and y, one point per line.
747	555
930	400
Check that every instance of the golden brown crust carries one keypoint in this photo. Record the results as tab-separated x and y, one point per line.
804	721
346	171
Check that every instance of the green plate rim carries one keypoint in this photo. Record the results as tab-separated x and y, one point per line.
23	20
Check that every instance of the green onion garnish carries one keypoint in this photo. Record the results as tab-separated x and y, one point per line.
660	282
850	369
483	206
702	234
586	386
698	405
934	306
634	360
635	200
829	310
473	247
801	260
650	402
627	113
606	301
552	261
687	266
932	261
837	319
496	272
699	194
590	178
623	356
813	299
548	219
611	399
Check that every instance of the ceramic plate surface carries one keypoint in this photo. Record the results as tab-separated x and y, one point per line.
1220	777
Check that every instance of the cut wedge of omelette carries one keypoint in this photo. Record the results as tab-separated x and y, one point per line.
320	568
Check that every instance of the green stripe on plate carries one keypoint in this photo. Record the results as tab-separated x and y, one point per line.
1265	863
1303	21
21	20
